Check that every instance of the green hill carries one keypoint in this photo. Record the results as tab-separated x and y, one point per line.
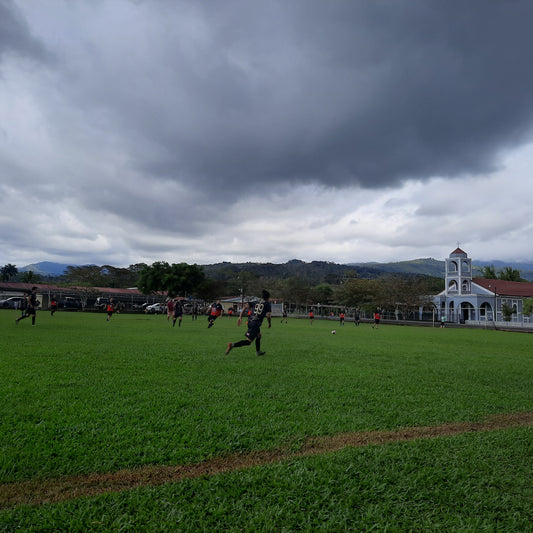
424	267
432	267
318	271
314	272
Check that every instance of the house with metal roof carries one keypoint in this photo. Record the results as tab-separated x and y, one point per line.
479	300
87	295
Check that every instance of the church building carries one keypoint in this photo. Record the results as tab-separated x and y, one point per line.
467	299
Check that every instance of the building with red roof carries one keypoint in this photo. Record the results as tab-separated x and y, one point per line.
87	295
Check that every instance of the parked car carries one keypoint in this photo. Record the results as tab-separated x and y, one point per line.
156	308
70	303
15	302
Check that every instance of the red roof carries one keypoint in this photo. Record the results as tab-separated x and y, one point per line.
458	251
522	289
15	286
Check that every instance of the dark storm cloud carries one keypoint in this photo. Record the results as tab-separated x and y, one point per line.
344	93
15	36
335	93
266	130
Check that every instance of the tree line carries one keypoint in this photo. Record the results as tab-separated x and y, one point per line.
300	283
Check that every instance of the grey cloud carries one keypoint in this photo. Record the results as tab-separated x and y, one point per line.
156	204
178	115
15	36
342	94
333	93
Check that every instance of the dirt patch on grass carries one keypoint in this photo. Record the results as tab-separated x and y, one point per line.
40	491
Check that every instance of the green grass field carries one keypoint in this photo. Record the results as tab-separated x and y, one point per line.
80	395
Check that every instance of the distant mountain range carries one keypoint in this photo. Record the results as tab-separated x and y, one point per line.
426	267
432	267
46	268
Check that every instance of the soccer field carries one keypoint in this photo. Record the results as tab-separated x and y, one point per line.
81	396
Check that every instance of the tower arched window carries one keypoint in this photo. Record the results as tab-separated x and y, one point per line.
452	286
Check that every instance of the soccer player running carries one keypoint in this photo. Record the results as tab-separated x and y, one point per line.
170	309
53	305
260	310
31	306
215	311
377	318
110	308
177	313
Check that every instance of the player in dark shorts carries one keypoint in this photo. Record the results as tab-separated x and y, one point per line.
31	306
110	309
377	318
53	305
215	312
260	311
177	313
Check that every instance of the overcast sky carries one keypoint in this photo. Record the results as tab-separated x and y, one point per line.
268	130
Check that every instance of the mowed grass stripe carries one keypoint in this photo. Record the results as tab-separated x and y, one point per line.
38	492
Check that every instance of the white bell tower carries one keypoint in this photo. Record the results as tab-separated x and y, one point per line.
458	273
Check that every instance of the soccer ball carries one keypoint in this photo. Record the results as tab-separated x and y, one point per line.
333	332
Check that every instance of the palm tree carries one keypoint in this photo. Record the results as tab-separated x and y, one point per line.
8	271
489	272
30	277
510	274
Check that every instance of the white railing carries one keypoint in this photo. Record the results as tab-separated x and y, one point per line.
502	324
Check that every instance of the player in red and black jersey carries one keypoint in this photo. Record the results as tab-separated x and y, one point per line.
110	309
53	305
215	311
342	315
